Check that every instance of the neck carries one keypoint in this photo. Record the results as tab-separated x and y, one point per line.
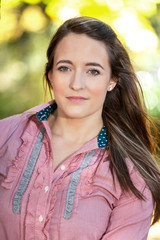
80	130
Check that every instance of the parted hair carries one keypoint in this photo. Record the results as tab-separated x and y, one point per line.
131	131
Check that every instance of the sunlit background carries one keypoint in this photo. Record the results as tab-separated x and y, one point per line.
26	27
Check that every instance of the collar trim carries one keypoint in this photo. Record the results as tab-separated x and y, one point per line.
102	138
44	114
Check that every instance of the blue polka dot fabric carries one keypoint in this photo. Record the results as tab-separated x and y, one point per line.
102	138
44	114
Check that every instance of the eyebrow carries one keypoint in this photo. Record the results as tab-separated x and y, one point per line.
64	61
94	64
87	64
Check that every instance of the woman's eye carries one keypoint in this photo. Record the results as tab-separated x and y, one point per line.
94	72
63	69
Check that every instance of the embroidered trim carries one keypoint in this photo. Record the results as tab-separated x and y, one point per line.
73	184
28	172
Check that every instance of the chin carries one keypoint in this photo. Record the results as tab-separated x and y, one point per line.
75	114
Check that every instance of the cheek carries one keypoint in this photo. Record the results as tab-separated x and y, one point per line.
100	90
58	92
99	95
58	86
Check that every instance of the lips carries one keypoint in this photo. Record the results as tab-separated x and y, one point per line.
76	99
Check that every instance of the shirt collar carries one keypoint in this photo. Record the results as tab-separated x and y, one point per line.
44	114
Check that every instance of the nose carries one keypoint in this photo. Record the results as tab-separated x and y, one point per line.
77	81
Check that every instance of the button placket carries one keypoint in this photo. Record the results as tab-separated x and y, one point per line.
42	206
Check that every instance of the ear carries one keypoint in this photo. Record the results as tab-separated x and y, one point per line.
112	84
50	77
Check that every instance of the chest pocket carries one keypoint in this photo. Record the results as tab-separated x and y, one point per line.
73	184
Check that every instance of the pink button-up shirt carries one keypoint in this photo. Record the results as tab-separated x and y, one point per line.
78	200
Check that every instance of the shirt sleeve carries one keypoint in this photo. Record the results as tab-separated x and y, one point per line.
10	130
131	217
7	127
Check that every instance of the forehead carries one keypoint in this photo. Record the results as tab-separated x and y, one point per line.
76	45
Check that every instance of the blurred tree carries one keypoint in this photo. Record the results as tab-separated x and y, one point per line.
26	27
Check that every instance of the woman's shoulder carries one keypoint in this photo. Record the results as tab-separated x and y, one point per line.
14	119
10	124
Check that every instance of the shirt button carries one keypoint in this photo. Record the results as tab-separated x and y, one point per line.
40	218
62	167
46	189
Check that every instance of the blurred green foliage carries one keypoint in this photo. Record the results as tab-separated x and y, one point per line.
26	27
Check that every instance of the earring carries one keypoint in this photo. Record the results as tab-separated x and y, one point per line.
110	88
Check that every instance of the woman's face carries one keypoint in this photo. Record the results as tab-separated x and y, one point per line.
81	76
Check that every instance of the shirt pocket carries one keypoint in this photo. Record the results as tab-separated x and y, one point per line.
87	182
77	178
11	161
78	188
3	165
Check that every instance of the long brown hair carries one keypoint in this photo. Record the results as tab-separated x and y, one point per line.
131	132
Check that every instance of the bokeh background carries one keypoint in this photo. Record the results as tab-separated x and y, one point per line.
26	27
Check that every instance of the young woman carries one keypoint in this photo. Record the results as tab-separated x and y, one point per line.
81	166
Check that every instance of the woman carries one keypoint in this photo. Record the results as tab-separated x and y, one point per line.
81	166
